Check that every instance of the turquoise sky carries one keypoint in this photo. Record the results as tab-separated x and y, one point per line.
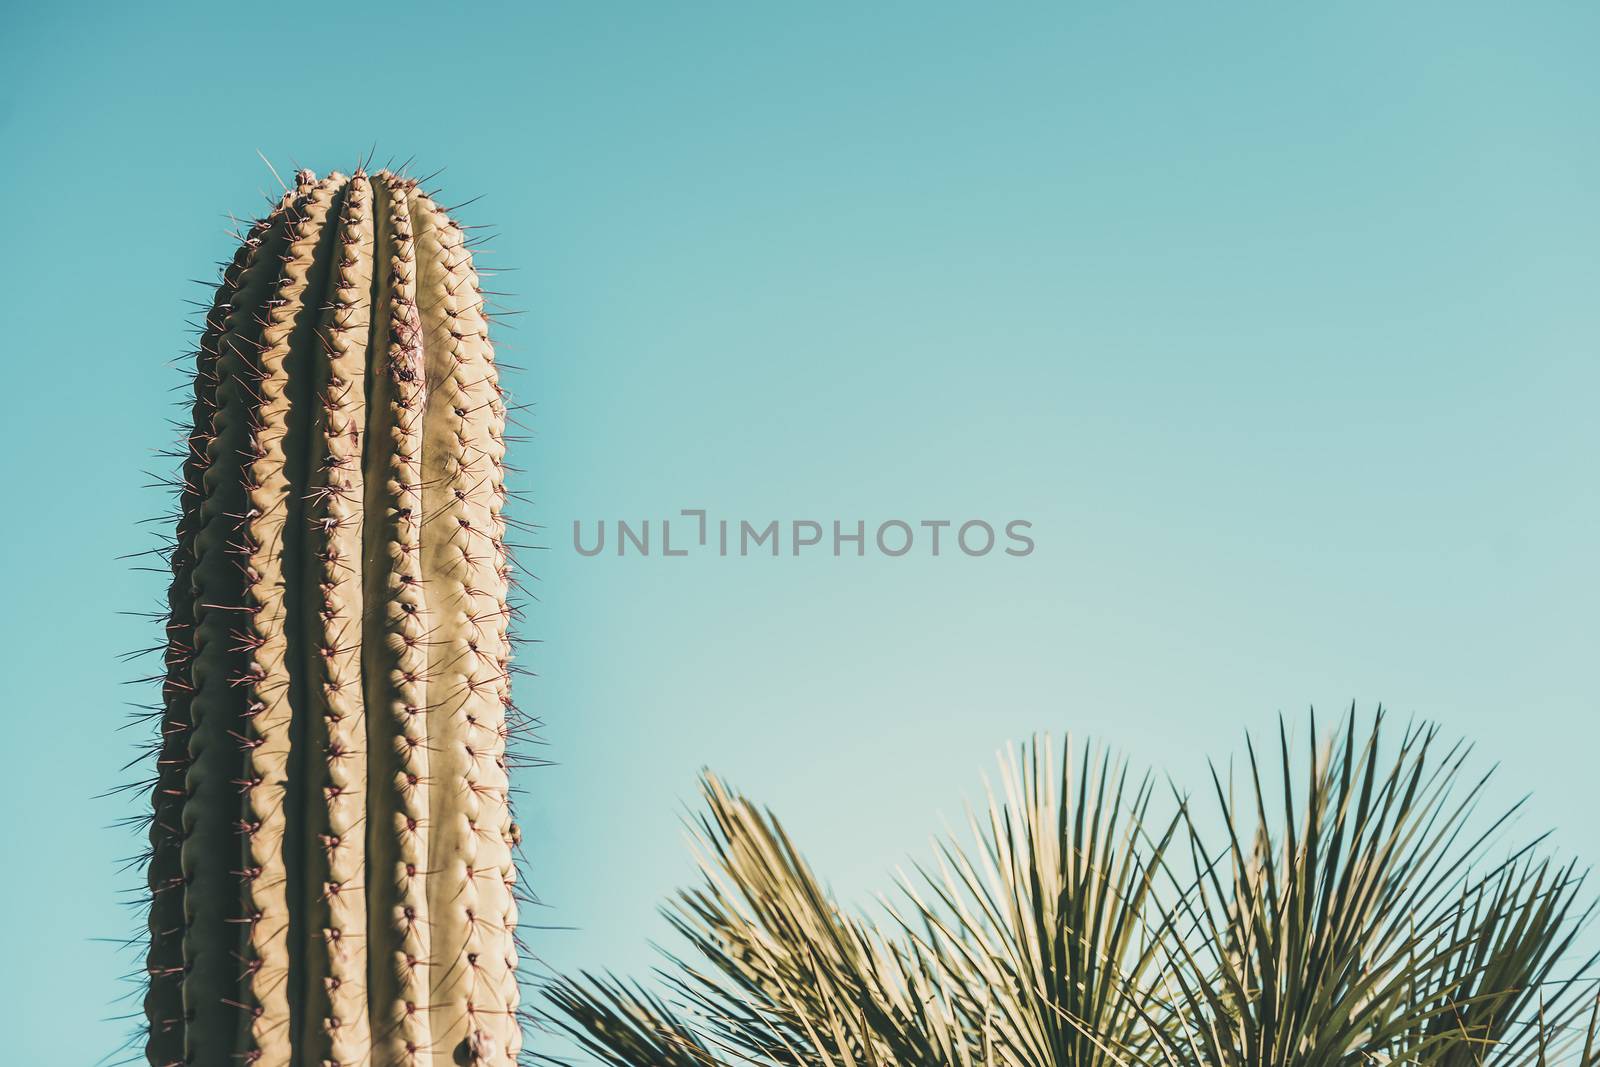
1279	324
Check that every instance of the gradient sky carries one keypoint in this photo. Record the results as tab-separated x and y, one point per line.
1279	324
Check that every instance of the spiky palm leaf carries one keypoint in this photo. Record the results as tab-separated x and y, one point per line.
1503	1001
1045	924
1366	919
1022	951
1359	918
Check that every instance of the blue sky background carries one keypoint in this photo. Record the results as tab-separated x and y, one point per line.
1279	324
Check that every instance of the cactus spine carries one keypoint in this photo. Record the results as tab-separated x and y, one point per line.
331	866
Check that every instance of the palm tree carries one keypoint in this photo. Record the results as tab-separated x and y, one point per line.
1352	908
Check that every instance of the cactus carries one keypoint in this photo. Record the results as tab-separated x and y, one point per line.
331	864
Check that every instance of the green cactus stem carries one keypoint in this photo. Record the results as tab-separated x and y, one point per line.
331	866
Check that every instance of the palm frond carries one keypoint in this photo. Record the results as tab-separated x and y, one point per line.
624	1026
1363	916
1502	1000
1358	910
1044	929
782	975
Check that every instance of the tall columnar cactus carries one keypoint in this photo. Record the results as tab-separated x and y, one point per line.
332	848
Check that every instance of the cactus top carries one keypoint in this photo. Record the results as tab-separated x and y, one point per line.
331	866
